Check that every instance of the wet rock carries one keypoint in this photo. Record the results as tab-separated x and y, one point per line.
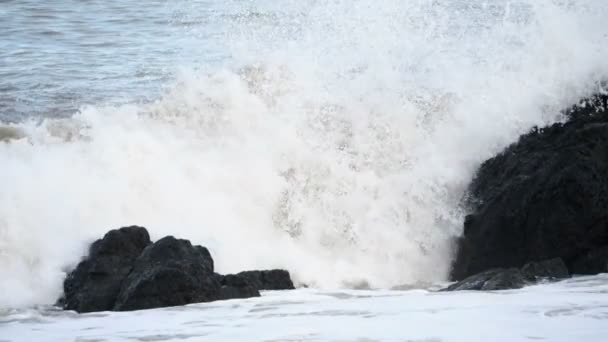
126	271
236	286
505	280
96	281
474	282
544	197
593	262
169	272
494	279
547	269
269	279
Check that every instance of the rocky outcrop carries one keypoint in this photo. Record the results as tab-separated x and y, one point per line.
236	286
513	278
96	282
547	269
126	271
249	283
494	279
169	272
544	197
268	279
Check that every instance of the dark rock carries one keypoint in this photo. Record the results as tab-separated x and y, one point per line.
552	269
474	282
494	279
125	271
170	272
505	280
269	279
96	281
593	262
249	283
544	197
236	286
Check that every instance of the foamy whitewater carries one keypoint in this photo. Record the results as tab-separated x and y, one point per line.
573	310
335	139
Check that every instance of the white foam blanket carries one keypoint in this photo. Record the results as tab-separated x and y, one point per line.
572	310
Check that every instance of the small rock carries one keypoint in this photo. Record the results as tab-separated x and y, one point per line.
474	282
269	279
553	269
236	286
494	279
505	280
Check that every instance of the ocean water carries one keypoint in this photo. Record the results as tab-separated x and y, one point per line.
332	138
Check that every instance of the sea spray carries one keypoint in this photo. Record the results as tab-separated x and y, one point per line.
335	142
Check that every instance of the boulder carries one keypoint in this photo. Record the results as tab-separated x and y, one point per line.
169	272
593	262
547	269
96	281
544	197
237	286
508	279
126	271
269	279
494	279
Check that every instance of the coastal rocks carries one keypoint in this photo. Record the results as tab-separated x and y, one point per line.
547	269
544	197
126	271
249	283
96	282
170	272
269	279
494	279
236	286
512	278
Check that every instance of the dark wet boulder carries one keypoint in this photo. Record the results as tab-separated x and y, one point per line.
125	271
249	283
236	286
169	272
547	269
494	279
96	281
593	262
474	282
544	197
508	279
269	279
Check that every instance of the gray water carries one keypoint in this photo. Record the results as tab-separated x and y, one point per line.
56	56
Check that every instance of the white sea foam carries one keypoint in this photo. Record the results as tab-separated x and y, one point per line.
567	311
337	142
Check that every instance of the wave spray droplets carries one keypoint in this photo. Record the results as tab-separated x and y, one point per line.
336	142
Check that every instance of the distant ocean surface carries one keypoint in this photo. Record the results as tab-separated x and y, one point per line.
57	56
335	139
